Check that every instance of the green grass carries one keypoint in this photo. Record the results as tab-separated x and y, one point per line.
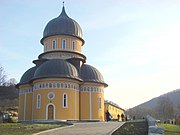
171	129
25	129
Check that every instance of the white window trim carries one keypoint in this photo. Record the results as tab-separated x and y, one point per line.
63	47
73	45
54	44
52	94
38	104
100	103
47	110
66	100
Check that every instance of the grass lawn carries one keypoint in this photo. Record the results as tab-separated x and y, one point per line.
170	129
25	129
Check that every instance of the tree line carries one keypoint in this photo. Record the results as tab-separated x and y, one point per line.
164	110
3	78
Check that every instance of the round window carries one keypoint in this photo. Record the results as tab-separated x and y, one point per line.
51	95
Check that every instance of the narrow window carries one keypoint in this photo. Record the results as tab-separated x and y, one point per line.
65	85
99	102
73	45
65	100
43	85
58	85
38	101
64	44
50	85
45	47
54	85
54	44
62	86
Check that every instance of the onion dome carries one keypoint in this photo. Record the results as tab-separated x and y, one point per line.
27	76
91	74
56	69
62	25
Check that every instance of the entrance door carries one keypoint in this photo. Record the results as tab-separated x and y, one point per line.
50	112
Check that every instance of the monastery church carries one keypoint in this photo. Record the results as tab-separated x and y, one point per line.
61	86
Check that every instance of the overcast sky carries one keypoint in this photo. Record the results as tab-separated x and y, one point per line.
135	44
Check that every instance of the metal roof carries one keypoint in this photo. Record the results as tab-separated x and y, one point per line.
27	76
63	25
56	69
91	74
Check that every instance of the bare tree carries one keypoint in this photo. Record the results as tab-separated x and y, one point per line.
165	108
2	76
11	82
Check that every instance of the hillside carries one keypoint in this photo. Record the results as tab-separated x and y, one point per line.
174	96
163	107
8	97
8	92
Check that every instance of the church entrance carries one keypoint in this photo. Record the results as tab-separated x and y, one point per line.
50	112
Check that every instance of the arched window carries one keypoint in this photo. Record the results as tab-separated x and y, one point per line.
99	103
38	105
64	44
45	47
65	100
54	44
73	45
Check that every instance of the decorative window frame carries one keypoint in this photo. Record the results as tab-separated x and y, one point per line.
53	95
54	44
73	45
38	102
63	43
65	100
99	103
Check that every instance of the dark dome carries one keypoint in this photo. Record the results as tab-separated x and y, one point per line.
91	74
27	76
56	68
62	25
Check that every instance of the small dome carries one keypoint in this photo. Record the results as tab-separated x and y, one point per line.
91	74
27	76
55	69
63	25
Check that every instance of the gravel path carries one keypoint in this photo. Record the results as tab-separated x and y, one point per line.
86	128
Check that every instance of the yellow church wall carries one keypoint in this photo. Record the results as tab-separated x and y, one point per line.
25	102
113	110
97	112
48	42
89	101
21	108
69	113
61	113
84	106
28	106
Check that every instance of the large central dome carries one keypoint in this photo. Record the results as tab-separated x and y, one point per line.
62	25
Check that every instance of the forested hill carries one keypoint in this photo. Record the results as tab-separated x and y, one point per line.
163	107
174	97
8	92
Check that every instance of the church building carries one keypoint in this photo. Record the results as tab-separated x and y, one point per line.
61	86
